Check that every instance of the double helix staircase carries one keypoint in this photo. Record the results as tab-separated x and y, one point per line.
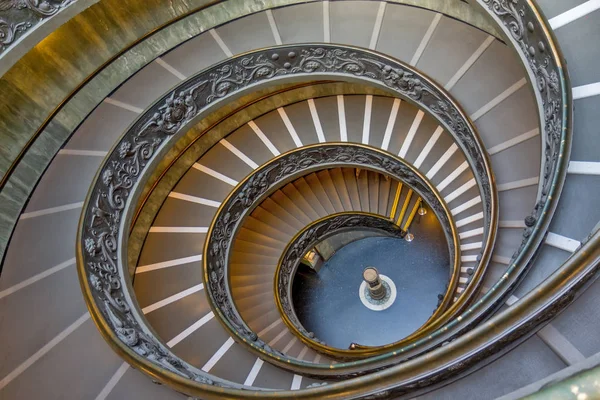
52	347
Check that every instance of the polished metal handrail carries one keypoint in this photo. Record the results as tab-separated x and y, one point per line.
310	236
257	186
109	204
555	112
410	84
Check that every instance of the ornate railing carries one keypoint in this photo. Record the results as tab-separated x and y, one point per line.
111	200
108	207
308	238
18	169
19	17
248	194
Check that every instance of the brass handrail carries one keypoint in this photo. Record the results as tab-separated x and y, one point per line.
256	187
453	356
108	206
447	294
456	9
283	273
500	333
442	106
404	208
412	214
396	200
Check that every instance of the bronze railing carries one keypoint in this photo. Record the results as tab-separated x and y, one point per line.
119	320
416	88
257	186
109	210
310	236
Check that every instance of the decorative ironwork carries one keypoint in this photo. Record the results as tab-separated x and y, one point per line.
520	23
104	215
101	266
248	194
17	16
308	238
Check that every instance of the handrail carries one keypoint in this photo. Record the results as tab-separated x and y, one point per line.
108	207
418	89
555	112
309	237
500	333
257	186
456	9
306	239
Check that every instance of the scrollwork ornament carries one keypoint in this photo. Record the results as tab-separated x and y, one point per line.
18	16
268	178
525	29
103	221
309	238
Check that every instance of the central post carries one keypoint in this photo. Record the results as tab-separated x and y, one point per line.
376	287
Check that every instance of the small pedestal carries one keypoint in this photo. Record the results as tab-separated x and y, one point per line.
377	292
376	288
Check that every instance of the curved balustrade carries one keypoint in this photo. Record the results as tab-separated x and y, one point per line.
259	185
305	240
146	140
105	285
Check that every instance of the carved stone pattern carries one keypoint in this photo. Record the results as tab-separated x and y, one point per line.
102	221
309	238
269	178
17	16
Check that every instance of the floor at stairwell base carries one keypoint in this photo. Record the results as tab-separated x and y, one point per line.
328	302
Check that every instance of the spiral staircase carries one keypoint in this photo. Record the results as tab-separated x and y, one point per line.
164	163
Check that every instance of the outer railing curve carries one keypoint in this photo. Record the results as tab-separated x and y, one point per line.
102	235
111	306
248	194
310	236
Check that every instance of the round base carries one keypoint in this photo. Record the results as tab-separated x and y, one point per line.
382	304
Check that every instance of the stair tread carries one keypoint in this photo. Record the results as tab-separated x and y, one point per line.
296	197
339	182
319	191
363	191
352	186
452	41
273	220
251	236
385	184
285	202
304	187
331	190
373	182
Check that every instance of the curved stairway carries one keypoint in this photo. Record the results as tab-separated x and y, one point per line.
478	70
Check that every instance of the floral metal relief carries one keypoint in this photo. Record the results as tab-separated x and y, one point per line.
17	16
523	27
308	239
269	178
103	223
